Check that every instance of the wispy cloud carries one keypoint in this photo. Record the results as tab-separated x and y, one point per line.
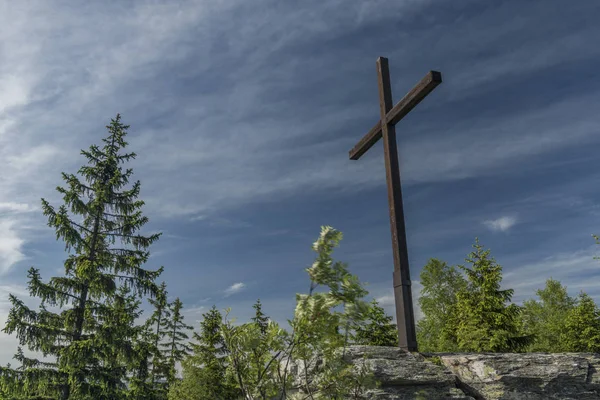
18	207
225	125
235	288
501	224
10	245
577	270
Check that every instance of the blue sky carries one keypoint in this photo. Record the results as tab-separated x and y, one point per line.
242	115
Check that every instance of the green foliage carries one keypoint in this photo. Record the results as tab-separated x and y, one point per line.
205	374
158	325
324	324
545	319
483	321
88	339
379	329
582	327
175	349
252	354
435	360
441	284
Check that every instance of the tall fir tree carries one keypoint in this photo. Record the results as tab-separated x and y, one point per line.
96	213
378	329
483	320
441	283
546	318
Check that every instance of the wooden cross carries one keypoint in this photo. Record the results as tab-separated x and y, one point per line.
385	127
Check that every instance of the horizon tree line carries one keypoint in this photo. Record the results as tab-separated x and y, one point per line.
86	327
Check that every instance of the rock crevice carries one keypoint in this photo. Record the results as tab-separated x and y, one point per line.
479	376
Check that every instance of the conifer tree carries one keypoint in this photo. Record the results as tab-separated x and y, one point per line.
141	386
260	319
205	370
175	349
582	326
96	213
546	319
483	320
117	332
441	283
158	324
379	329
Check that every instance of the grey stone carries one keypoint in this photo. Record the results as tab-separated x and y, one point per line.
528	375
475	376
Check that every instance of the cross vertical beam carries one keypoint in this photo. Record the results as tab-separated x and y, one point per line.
385	129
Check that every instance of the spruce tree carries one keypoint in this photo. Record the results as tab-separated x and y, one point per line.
96	213
176	348
260	353
158	324
441	283
141	386
546	318
260	319
582	326
205	370
117	331
483	320
379	329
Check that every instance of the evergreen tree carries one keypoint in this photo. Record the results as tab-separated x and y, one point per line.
582	327
159	325
379	329
175	349
441	283
483	321
260	319
141	386
545	319
205	370
117	332
258	355
77	338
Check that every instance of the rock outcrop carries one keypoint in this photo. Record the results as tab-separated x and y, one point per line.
481	376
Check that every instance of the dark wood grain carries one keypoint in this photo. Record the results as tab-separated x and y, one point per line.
385	129
399	111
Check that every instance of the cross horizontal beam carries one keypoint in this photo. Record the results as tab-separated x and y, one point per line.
399	111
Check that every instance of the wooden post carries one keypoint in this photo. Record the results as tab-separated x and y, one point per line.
385	128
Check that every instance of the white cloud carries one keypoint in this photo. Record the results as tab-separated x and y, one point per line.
10	245
194	310
18	207
235	288
577	270
104	49
13	92
501	224
387	300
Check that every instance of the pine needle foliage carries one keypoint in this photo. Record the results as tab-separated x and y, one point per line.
79	339
482	319
441	284
176	347
205	369
379	330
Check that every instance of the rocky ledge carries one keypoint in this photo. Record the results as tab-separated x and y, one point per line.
479	376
